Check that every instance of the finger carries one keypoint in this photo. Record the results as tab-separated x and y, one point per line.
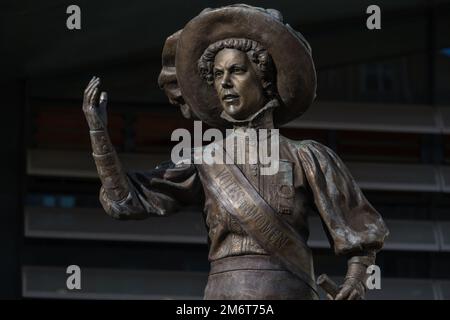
90	81
92	88
103	99
354	295
343	294
329	297
90	84
361	287
94	97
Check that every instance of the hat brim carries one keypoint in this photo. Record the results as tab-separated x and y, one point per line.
296	76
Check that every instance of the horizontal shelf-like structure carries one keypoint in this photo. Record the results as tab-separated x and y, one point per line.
50	282
370	176
187	227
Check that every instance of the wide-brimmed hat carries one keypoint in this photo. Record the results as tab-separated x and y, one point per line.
291	54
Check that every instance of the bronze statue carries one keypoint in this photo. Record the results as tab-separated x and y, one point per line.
240	66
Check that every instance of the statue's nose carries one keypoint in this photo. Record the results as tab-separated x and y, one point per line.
226	83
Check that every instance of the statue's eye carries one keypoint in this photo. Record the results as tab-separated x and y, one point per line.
218	74
238	70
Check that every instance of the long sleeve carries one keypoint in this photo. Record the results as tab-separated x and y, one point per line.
160	191
351	223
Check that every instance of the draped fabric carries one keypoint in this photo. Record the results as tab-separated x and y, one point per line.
322	185
351	221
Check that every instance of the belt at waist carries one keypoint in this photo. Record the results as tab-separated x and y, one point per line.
245	262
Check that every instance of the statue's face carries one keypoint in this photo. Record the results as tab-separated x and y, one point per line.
237	84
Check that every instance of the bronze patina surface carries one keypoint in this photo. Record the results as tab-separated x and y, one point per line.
242	67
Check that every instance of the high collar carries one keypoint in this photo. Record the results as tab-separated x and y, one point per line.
262	119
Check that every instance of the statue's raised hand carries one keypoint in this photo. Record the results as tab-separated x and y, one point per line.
95	112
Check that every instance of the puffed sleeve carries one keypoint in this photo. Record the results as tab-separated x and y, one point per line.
351	223
160	191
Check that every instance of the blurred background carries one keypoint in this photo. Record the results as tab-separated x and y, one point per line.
383	104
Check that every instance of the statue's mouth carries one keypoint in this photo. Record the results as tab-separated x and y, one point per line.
230	97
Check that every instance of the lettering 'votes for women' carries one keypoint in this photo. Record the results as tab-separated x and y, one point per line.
242	68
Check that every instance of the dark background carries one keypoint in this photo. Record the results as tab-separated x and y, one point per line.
383	105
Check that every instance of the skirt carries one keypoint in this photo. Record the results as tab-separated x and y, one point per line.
254	277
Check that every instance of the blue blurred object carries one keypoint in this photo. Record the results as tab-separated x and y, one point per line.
445	52
67	201
48	201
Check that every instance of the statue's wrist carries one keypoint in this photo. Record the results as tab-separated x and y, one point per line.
100	142
113	178
96	127
357	266
356	271
94	122
366	259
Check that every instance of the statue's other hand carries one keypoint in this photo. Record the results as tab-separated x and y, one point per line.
95	114
352	289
